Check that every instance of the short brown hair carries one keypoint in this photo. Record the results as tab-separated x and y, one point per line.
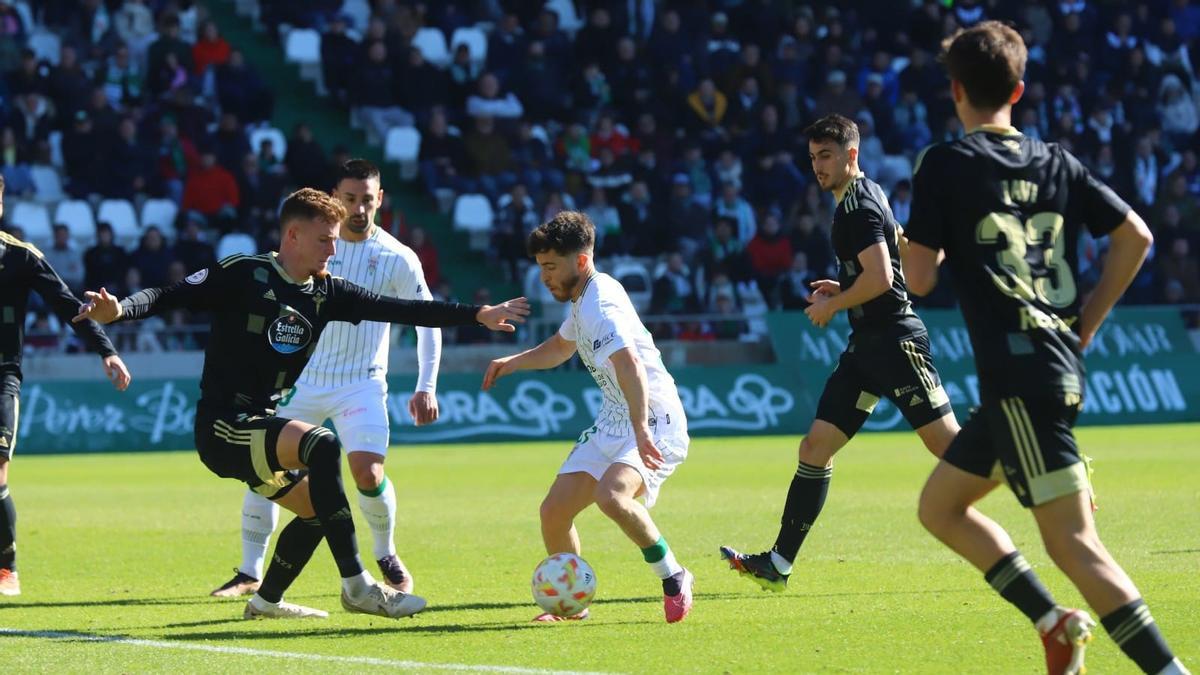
989	60
310	204
567	233
834	127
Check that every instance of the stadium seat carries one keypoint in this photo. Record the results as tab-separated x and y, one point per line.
24	12
46	45
755	307
120	214
46	184
568	18
274	135
432	43
359	12
475	40
76	214
161	214
56	156
34	220
403	144
236	242
473	214
303	47
636	279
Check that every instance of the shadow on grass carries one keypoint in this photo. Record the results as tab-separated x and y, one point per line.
140	602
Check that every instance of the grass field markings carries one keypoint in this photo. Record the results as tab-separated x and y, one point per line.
1176	551
70	636
125	602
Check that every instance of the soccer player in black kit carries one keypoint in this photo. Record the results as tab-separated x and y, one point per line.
1005	212
22	269
887	354
268	311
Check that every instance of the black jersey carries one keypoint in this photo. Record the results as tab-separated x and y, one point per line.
861	220
265	325
1008	209
23	268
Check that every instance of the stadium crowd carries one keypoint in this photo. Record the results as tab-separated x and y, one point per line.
677	126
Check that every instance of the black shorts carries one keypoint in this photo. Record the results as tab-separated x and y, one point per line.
1029	441
902	370
10	413
242	446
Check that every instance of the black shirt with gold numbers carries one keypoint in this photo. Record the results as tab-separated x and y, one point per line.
23	268
265	325
1008	210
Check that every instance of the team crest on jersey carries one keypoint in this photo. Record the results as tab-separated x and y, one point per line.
372	264
289	333
197	278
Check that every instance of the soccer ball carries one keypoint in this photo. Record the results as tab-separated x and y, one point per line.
564	584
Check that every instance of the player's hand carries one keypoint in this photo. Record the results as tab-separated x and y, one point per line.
498	317
496	370
651	457
827	287
117	373
821	311
100	307
423	408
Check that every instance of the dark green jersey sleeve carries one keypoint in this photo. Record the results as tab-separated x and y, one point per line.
866	228
1100	208
353	303
927	223
200	291
58	297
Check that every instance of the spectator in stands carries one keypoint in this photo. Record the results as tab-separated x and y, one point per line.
306	162
259	193
707	107
673	291
32	118
211	191
463	74
422	87
269	160
612	173
191	251
770	254
1177	108
794	287
507	47
152	258
730	325
687	222
105	263
229	142
241	91
14	165
490	158
66	259
169	43
477	334
134	23
42	331
814	243
373	97
643	227
607	135
85	163
733	205
575	149
123	78
631	79
836	96
210	50
534	161
557	202
515	219
340	56
427	253
28	75
442	155
607	220
1178	196
12	33
129	164
901	201
176	156
489	102
1179	266
724	253
68	85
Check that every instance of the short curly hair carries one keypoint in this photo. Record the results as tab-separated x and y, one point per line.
567	233
311	204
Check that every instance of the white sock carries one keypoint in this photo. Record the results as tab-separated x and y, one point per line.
667	567
357	585
1047	621
260	604
380	512
1175	667
259	518
781	563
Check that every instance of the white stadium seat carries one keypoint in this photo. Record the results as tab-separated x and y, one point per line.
276	137
120	214
46	45
303	47
56	156
160	213
76	214
403	145
236	242
47	185
636	279
359	12
473	214
432	43
475	40
34	221
568	18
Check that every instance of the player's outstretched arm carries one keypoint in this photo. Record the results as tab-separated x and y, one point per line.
550	354
631	377
1128	245
351	302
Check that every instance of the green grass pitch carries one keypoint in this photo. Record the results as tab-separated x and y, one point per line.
127	546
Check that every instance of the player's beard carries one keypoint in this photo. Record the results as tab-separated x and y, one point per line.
564	292
358	224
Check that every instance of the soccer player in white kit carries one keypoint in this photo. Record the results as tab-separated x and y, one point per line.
640	434
345	382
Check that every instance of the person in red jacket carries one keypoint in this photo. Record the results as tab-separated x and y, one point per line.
770	254
210	50
210	189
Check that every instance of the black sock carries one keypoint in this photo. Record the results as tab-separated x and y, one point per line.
673	584
295	546
322	454
805	499
1015	581
8	530
1136	633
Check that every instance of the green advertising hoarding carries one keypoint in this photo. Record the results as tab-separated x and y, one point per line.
1142	368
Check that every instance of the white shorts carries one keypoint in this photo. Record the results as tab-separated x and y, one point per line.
596	450
358	412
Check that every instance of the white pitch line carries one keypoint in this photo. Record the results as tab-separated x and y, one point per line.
246	651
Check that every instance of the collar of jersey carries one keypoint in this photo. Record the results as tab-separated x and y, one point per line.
997	129
585	287
283	273
849	184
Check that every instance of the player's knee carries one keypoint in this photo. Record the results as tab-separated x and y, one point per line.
552	512
319	448
610	502
1074	550
815	453
367	475
934	515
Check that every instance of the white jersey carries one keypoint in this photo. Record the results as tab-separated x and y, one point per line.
348	353
602	321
